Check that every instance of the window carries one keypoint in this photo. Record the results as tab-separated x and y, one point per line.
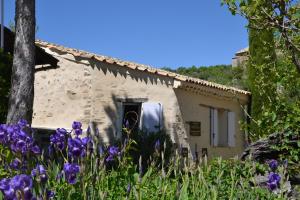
131	115
145	116
222	127
195	128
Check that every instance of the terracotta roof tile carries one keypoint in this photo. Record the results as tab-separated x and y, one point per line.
140	67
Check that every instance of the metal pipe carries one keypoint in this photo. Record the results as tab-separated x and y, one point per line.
2	25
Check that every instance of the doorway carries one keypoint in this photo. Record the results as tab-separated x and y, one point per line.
131	116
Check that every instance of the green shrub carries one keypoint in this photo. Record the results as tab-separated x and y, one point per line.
5	74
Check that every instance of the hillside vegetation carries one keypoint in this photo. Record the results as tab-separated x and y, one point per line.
223	74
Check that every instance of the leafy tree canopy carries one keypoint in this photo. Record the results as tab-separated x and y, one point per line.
282	17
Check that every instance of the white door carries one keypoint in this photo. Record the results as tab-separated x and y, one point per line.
214	126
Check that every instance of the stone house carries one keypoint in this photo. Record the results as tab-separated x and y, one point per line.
200	116
240	57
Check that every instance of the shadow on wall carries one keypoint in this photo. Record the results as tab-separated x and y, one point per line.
116	70
113	112
190	143
125	72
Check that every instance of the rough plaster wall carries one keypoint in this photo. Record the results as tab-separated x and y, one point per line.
193	109
62	95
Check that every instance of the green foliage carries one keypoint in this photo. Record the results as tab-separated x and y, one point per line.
279	16
98	177
144	146
220	179
261	70
274	79
5	74
222	74
5	157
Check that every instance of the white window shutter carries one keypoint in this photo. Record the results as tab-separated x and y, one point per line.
216	128
152	115
231	129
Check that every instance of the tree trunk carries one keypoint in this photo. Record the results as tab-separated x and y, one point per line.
22	80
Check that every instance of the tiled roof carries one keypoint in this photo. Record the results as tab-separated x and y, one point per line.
242	51
140	67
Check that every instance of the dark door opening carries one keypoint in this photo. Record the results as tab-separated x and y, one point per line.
131	116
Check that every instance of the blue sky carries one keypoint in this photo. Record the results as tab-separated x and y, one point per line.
160	33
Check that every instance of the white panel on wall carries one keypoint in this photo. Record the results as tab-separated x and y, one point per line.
211	121
152	117
216	128
214	131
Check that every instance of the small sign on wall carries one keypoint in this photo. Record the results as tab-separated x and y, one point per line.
195	128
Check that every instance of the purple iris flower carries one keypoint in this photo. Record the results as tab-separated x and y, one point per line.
77	146
78	132
21	182
11	129
10	193
76	125
86	140
58	139
88	143
61	131
113	152
15	164
4	184
10	187
71	171
109	158
20	145
36	149
273	164
77	128
50	194
274	181
22	123
41	173
3	135
17	139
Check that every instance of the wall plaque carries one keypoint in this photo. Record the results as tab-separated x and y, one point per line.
195	128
